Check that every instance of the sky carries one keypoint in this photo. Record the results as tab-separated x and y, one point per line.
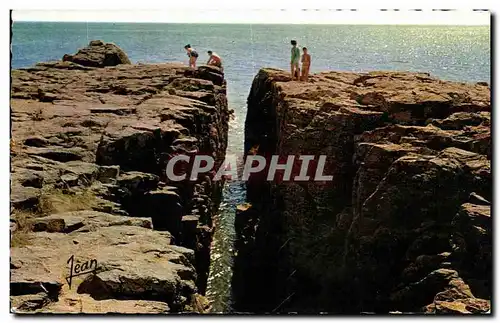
298	16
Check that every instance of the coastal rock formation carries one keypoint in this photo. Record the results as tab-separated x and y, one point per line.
98	54
405	223
89	149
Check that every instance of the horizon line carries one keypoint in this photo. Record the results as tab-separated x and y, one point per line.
258	23
253	17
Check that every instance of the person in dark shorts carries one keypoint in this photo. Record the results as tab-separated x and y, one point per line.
192	54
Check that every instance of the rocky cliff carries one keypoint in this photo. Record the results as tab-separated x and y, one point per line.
405	223
89	149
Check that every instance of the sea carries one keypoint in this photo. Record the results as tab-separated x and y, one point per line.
457	53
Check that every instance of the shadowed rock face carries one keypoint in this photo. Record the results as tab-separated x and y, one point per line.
98	54
410	159
101	138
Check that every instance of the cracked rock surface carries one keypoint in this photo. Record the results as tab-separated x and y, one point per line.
89	149
405	223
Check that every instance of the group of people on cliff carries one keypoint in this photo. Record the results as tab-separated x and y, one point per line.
294	63
297	73
213	58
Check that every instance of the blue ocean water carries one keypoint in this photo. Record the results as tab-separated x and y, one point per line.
459	53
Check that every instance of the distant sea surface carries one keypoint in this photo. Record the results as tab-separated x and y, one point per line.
457	53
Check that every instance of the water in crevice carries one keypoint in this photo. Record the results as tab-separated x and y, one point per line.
222	249
239	77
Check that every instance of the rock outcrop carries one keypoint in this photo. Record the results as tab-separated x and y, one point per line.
98	54
405	223
89	149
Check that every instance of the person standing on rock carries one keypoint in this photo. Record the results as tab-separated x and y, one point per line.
294	60
214	59
192	54
306	64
